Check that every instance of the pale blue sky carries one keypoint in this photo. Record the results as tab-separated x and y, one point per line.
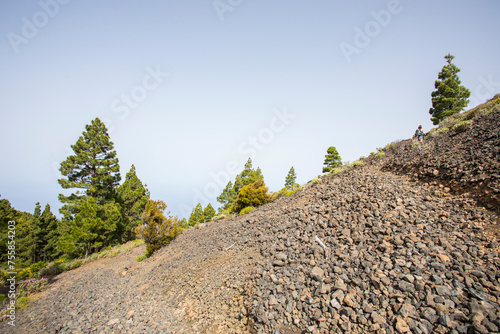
231	71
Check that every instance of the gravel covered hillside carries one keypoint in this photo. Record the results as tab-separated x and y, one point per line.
363	251
396	259
466	162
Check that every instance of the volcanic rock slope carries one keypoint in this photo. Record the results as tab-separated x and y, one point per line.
363	251
466	162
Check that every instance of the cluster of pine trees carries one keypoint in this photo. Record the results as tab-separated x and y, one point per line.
97	211
36	234
200	215
229	196
247	191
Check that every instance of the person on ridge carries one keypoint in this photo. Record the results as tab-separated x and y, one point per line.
419	134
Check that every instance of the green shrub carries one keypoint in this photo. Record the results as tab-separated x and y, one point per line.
52	269
442	130
486	111
254	194
318	180
473	113
392	147
23	303
448	122
75	264
3	276
482	110
141	257
358	163
462	126
286	192
24	273
158	230
36	267
433	133
221	216
295	190
152	247
246	210
347	166
379	155
337	170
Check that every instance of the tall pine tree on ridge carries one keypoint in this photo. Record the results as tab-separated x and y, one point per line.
450	97
94	166
95	170
290	181
332	159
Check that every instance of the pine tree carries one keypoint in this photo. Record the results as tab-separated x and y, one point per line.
94	167
133	196
247	176
332	159
449	97
91	228
208	213
183	223
25	245
95	170
23	237
196	215
44	227
290	183
38	231
51	235
7	213
227	197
